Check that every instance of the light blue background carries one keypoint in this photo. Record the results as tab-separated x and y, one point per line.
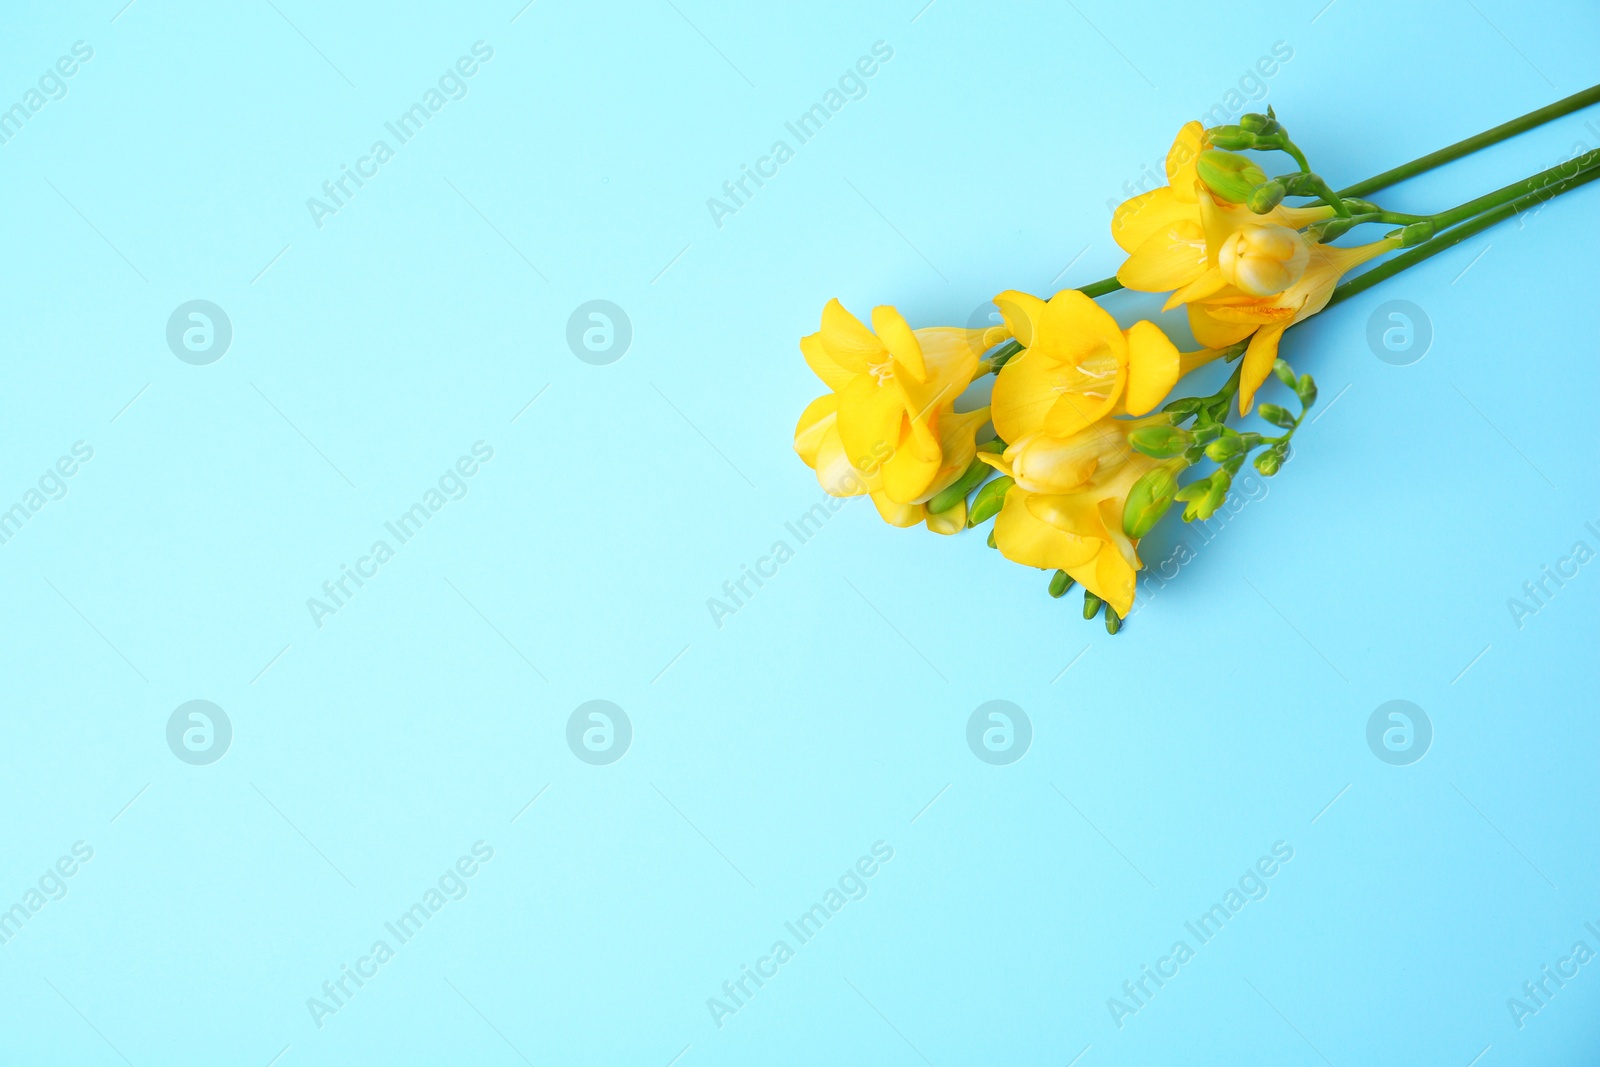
824	716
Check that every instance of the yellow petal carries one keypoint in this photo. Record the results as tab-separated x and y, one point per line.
1024	538
907	474
893	330
822	365
870	420
1214	332
1208	283
1183	160
1135	220
951	359
834	472
1258	360
1021	311
1024	392
849	344
1112	581
957	447
949	522
1170	258
816	420
1074	327
897	514
1075	412
1153	367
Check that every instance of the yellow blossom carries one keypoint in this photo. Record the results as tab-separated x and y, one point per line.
1174	235
1078	366
887	428
1077	526
1229	314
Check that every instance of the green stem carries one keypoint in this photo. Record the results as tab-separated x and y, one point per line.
1452	237
1544	179
1472	144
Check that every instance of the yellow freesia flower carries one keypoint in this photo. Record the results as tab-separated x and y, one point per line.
1078	366
1074	521
1182	238
1229	314
888	428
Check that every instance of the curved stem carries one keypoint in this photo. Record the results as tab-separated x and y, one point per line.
1472	144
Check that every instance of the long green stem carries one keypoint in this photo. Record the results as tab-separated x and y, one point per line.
1472	144
1544	179
1452	237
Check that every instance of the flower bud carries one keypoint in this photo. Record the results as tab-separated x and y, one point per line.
1113	621
1416	233
1266	196
1277	416
1224	448
1268	463
1091	604
1229	176
1160	442
1231	137
1148	500
986	505
1306	390
1060	582
1256	122
1263	260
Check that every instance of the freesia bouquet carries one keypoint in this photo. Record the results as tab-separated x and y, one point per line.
1089	450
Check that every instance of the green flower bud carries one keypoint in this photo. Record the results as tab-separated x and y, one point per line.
1231	177
957	491
1266	196
1091	604
1416	233
1306	390
1255	122
986	505
1277	416
1160	442
1060	582
1113	621
1330	229
1224	448
1230	137
1284	372
1148	500
991	540
1268	463
994	446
